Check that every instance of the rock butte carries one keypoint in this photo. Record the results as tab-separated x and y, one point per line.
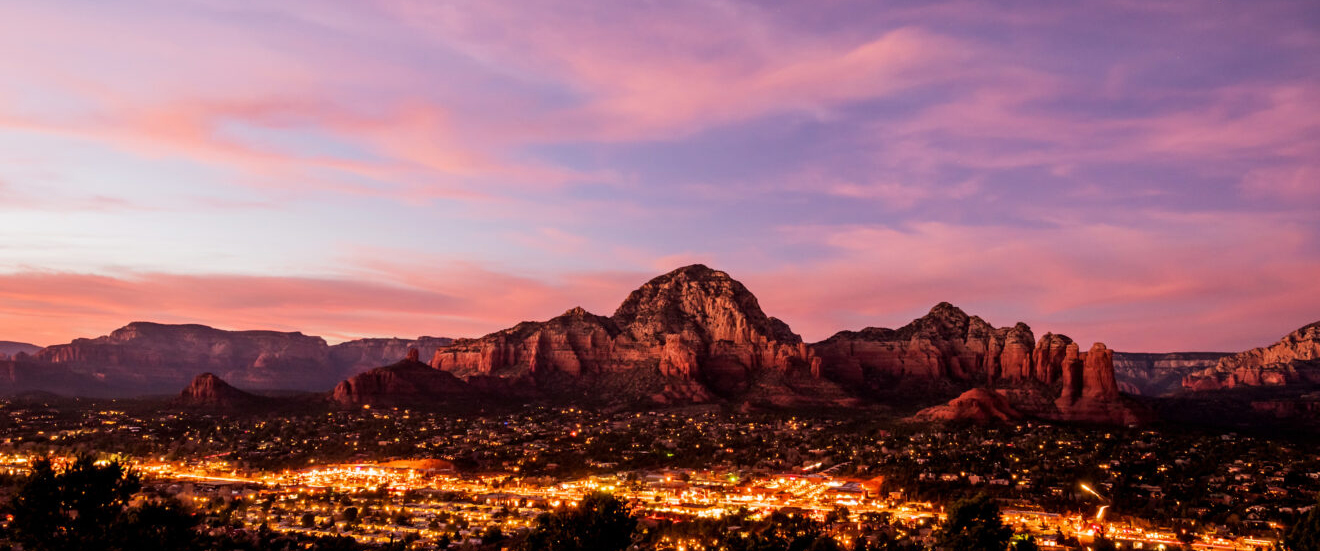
208	390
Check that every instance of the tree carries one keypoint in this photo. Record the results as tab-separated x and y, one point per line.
601	522
492	535
1305	536
163	525
84	507
974	525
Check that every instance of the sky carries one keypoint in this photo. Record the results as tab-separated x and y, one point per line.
1142	173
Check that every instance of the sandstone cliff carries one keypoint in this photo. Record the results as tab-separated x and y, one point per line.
1294	360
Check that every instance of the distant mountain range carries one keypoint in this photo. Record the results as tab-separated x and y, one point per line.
9	349
144	358
694	335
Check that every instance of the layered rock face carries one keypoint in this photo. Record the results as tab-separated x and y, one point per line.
208	390
1160	374
404	383
692	324
947	345
1295	359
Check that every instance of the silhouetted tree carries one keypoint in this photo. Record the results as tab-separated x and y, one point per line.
1102	543
1305	536
599	523
84	507
974	525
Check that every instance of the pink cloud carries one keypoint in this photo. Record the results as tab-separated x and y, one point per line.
1290	183
458	301
719	64
1183	282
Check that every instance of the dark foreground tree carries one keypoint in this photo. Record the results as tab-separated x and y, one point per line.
84	507
974	525
1305	536
599	523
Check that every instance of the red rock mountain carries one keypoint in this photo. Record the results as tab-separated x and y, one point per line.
1295	359
208	390
699	334
949	346
692	335
944	344
693	324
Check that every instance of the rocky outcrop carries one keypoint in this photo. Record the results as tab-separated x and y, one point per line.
1294	360
1048	358
1090	391
208	390
408	382
978	405
1160	374
693	324
949	347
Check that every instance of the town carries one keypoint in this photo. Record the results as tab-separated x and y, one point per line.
397	476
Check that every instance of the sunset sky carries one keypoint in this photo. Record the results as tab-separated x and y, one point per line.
1141	173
